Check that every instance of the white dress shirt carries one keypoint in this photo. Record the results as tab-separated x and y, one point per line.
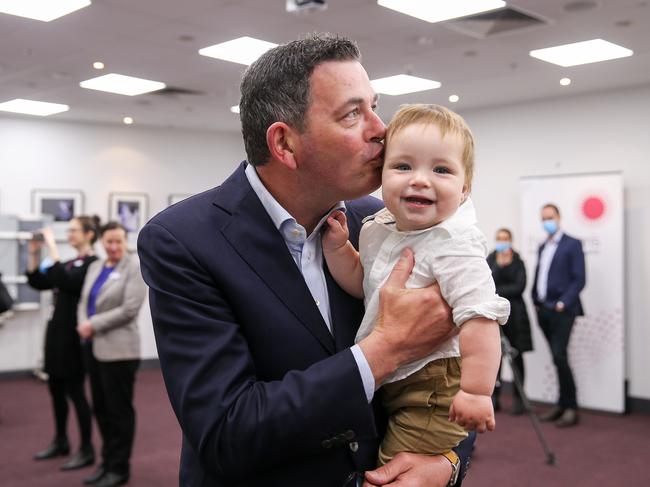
545	259
307	252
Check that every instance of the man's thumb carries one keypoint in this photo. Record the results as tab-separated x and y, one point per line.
402	270
381	475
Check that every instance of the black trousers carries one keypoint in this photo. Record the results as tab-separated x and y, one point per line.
62	389
111	385
557	330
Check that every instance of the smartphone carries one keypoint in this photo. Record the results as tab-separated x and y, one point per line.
38	237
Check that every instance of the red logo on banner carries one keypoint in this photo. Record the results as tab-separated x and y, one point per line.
593	207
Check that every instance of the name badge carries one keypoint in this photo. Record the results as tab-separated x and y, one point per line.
78	263
114	275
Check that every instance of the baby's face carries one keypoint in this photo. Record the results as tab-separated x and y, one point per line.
423	180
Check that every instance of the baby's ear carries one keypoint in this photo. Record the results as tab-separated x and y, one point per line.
466	191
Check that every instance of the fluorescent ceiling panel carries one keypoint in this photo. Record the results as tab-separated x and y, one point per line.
122	85
437	11
402	84
32	107
585	52
244	50
43	10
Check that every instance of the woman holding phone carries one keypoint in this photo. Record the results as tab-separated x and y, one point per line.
63	353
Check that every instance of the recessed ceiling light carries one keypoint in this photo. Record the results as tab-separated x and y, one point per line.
565	81
244	50
127	120
441	9
584	52
122	85
32	107
403	83
98	65
234	109
454	98
43	10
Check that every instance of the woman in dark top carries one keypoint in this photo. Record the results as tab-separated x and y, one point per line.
509	275
63	354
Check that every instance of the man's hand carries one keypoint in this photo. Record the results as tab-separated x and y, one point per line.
472	411
411	470
411	322
337	233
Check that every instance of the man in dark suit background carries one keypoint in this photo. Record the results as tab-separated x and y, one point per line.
255	339
559	278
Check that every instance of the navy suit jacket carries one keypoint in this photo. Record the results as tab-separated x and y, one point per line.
264	393
566	276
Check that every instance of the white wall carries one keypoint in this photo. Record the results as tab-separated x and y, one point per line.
594	133
599	132
100	159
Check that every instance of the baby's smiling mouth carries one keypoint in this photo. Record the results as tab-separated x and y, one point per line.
419	200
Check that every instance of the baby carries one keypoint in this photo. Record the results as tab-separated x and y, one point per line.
426	180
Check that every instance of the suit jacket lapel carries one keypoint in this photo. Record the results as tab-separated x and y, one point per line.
346	313
252	234
558	253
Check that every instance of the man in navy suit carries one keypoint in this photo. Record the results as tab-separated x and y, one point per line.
559	278
255	339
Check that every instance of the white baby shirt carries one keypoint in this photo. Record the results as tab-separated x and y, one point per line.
452	253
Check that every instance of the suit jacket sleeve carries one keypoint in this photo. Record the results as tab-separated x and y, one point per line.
133	294
237	423
577	276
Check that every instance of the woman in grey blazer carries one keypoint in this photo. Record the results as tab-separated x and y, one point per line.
111	298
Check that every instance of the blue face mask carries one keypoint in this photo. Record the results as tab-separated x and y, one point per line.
502	246
550	226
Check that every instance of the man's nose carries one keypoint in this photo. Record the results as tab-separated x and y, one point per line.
376	128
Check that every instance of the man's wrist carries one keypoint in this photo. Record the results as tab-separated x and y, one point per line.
454	460
379	358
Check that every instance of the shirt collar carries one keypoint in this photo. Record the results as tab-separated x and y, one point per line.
462	218
277	213
556	237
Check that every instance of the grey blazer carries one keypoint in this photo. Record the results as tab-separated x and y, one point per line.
118	303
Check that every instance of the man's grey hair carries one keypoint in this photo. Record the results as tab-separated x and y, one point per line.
275	88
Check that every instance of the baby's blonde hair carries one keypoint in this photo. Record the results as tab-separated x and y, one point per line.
443	118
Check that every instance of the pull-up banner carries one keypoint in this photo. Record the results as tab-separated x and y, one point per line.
591	207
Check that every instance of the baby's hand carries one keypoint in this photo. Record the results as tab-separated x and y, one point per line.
337	233
472	411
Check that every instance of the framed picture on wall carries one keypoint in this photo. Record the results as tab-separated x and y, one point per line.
130	209
62	205
176	197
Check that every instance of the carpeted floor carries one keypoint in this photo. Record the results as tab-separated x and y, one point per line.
603	451
27	426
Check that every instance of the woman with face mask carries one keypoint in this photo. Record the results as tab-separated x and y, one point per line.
509	275
63	355
108	323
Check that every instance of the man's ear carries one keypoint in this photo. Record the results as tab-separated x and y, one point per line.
280	139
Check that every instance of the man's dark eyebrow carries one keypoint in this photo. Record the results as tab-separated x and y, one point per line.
360	101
